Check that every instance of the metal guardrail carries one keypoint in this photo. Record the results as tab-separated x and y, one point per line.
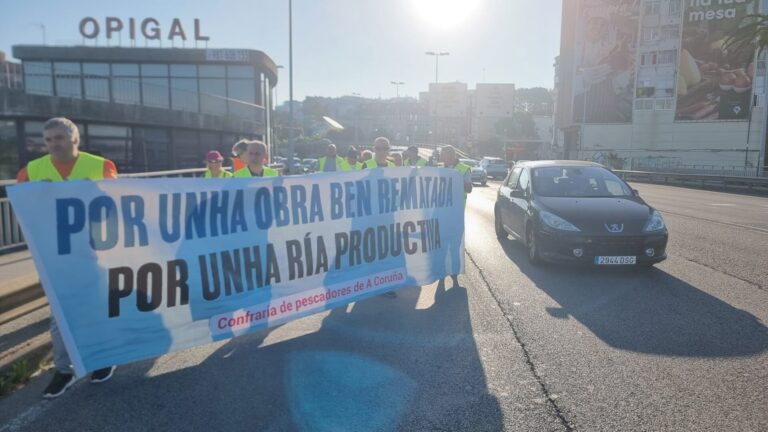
718	170
11	236
732	183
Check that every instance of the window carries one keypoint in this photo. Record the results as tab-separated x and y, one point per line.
184	95
670	32
674	7
242	95
67	80
112	142
184	71
525	180
645	89
648	58
512	180
154	92
151	149
667	57
125	83
650	34
154	85
241	72
38	78
665	88
652	7
213	93
644	104
9	152
186	149
96	81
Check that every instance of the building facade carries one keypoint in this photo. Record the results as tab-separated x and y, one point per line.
147	109
651	85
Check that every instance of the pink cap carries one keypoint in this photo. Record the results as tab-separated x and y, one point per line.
214	156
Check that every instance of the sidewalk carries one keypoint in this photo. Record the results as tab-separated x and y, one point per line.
24	312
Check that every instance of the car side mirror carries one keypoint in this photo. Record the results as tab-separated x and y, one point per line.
517	193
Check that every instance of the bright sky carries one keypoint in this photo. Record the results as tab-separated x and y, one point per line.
340	47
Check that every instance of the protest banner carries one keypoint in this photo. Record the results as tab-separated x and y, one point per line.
136	268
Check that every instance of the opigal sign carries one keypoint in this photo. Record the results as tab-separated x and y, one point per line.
149	28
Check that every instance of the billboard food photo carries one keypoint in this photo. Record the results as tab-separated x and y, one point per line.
714	83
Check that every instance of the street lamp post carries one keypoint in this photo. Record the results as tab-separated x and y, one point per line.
290	86
397	85
437	55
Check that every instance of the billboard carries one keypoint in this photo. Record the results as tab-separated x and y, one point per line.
714	83
606	47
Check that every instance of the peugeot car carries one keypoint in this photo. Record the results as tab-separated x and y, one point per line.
580	212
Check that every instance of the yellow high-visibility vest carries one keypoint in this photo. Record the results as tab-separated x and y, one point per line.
246	172
341	164
420	162
87	166
222	174
371	163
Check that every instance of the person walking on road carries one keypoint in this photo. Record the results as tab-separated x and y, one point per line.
411	158
381	160
213	161
256	155
450	161
332	161
352	159
381	155
63	162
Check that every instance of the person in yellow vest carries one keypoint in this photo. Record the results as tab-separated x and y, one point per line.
380	160
411	158
213	161
381	155
352	159
450	161
257	154
397	159
63	162
332	161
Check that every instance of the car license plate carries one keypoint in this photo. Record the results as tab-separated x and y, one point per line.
615	260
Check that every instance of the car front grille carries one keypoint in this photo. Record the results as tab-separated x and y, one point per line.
617	246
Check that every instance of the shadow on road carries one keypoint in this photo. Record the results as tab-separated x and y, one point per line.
381	364
645	310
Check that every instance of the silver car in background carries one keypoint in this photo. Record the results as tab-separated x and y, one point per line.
478	173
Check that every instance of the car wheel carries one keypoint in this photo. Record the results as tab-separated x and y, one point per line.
500	233
532	245
484	182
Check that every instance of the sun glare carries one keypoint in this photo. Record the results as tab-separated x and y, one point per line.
445	14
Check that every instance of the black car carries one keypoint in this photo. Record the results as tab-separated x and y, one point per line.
581	212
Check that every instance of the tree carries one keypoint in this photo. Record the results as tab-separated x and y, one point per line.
536	100
753	30
519	126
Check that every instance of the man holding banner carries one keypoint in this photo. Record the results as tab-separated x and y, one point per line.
332	161
65	162
256	155
449	159
381	155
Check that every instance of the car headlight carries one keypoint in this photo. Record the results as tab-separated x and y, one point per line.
655	222
557	222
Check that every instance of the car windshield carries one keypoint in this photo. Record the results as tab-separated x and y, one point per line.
496	162
580	182
469	162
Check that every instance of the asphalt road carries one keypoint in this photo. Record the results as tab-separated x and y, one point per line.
682	346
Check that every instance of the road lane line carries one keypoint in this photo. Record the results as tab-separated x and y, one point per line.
747	227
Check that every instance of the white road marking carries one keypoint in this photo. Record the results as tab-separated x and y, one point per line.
26	417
